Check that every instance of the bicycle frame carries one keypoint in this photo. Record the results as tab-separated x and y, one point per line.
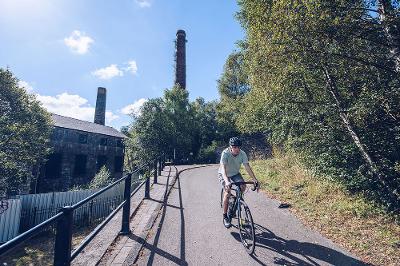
236	204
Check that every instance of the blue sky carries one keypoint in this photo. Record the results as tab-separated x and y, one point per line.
62	50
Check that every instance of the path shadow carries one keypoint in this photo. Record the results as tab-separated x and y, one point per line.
153	247
265	238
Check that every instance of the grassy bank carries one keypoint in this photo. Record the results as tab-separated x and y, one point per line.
40	249
349	220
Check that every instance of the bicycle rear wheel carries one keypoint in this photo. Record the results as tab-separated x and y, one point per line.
246	227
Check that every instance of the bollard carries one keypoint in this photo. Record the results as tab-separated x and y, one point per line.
155	172
62	249
127	206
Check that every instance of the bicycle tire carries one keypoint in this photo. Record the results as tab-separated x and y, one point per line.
222	195
246	227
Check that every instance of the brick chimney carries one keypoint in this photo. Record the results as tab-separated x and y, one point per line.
100	112
180	59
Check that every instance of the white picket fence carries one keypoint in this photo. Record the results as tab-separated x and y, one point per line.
32	209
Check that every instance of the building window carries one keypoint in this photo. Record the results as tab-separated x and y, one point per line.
103	141
120	143
83	138
100	162
53	166
118	164
80	165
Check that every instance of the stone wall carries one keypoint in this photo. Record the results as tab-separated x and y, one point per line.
66	166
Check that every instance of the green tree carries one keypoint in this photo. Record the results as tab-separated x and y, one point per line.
205	128
322	84
232	86
164	126
25	129
180	115
150	133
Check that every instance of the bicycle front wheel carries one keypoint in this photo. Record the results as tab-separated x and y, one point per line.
246	227
222	197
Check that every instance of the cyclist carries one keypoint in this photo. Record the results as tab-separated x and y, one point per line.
231	160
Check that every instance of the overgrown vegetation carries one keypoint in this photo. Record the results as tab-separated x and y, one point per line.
101	179
25	129
40	249
325	83
353	221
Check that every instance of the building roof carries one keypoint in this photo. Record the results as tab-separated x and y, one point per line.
72	123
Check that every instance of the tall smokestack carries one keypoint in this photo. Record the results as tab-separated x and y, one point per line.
180	59
100	112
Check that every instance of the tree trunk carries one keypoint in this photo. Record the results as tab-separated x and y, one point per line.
391	29
332	88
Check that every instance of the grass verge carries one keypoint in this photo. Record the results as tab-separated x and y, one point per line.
40	249
351	221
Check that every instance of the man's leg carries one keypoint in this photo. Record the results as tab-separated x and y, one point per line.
226	200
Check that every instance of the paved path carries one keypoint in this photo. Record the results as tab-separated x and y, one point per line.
189	231
124	249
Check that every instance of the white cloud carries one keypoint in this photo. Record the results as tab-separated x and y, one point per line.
108	72
78	42
133	108
25	85
143	3
132	67
72	106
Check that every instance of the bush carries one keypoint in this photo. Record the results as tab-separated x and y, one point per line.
208	154
101	179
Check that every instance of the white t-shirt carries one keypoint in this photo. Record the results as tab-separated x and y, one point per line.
232	163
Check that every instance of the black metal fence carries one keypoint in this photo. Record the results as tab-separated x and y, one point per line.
65	219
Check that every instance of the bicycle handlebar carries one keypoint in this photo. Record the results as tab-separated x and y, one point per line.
255	184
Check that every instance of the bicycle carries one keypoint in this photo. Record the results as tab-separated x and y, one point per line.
238	207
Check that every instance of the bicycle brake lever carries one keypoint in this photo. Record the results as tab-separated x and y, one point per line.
255	186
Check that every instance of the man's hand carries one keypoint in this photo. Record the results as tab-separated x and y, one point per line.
227	185
256	184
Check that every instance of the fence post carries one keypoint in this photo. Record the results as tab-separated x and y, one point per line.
62	249
147	187
155	172
127	206
34	218
159	166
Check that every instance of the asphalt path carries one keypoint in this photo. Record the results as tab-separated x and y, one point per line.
189	231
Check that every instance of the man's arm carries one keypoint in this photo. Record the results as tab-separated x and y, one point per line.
224	175
250	172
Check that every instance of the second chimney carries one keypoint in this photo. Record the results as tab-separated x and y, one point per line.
100	112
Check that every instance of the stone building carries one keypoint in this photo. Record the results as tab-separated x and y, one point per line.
80	149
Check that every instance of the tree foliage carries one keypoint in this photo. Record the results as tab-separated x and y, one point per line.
232	87
324	83
24	135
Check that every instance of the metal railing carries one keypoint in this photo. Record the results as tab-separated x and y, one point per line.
64	218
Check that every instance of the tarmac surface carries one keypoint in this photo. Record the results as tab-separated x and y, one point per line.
189	231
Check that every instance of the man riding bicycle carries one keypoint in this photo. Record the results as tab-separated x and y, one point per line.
231	160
